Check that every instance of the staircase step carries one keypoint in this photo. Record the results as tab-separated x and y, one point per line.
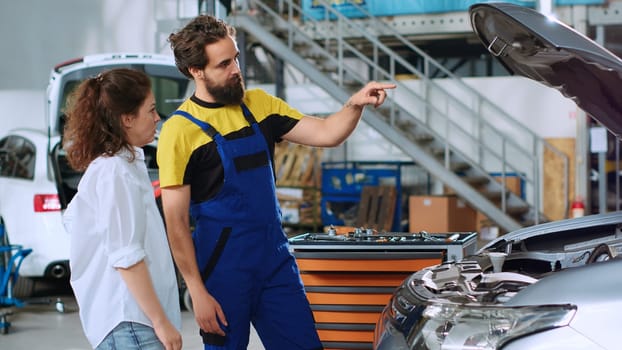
517	211
438	152
420	137
352	86
476	181
404	124
326	67
494	196
529	222
457	167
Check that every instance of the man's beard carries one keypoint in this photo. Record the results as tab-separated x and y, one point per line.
231	93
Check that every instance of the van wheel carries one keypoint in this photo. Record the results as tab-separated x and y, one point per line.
184	294
24	287
186	299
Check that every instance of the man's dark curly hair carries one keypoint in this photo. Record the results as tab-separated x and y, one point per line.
189	43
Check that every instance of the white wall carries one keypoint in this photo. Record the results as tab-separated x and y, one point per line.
542	109
37	34
22	108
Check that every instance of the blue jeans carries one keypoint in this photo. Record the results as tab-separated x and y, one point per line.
131	335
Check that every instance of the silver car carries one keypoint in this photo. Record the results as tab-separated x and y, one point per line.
554	286
551	286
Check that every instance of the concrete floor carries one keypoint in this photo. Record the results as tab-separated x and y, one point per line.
38	325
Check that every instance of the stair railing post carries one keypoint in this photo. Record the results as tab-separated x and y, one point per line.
503	171
392	110
480	133
447	131
375	53
340	68
537	193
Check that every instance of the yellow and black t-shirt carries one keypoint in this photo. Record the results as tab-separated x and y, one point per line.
188	156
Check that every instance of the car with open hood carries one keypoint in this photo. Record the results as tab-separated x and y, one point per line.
550	286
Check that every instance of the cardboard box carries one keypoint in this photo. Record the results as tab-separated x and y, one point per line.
440	214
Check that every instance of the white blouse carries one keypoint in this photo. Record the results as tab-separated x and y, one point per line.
113	222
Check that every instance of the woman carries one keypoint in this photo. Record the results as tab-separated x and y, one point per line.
122	272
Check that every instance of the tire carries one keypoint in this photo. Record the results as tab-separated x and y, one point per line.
24	287
187	301
184	294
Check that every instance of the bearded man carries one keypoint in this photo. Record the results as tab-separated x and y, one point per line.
216	160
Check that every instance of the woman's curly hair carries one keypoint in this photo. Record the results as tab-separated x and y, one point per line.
93	126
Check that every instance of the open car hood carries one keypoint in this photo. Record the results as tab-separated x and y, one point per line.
549	231
530	44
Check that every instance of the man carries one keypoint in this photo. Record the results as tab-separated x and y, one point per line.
215	155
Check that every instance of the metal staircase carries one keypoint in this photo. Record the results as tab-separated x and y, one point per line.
445	126
454	133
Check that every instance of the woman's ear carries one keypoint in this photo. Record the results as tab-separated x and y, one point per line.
127	120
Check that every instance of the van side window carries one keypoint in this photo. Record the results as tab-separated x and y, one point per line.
17	157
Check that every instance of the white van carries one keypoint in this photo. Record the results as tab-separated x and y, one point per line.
36	183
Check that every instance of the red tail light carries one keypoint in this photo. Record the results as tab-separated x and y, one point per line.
46	202
157	192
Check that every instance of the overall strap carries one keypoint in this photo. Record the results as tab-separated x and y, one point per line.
209	130
248	115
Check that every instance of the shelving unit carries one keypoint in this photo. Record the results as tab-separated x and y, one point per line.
343	183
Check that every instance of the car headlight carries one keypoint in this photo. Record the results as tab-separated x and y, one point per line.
446	326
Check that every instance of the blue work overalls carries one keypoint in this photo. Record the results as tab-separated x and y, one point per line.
243	251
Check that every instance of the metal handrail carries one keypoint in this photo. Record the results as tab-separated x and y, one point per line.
271	36
535	144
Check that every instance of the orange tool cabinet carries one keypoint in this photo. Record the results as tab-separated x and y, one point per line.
349	278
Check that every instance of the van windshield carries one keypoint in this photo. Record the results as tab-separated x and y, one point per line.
169	87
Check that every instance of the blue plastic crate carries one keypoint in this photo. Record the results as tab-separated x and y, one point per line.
401	7
313	9
579	2
346	182
343	182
